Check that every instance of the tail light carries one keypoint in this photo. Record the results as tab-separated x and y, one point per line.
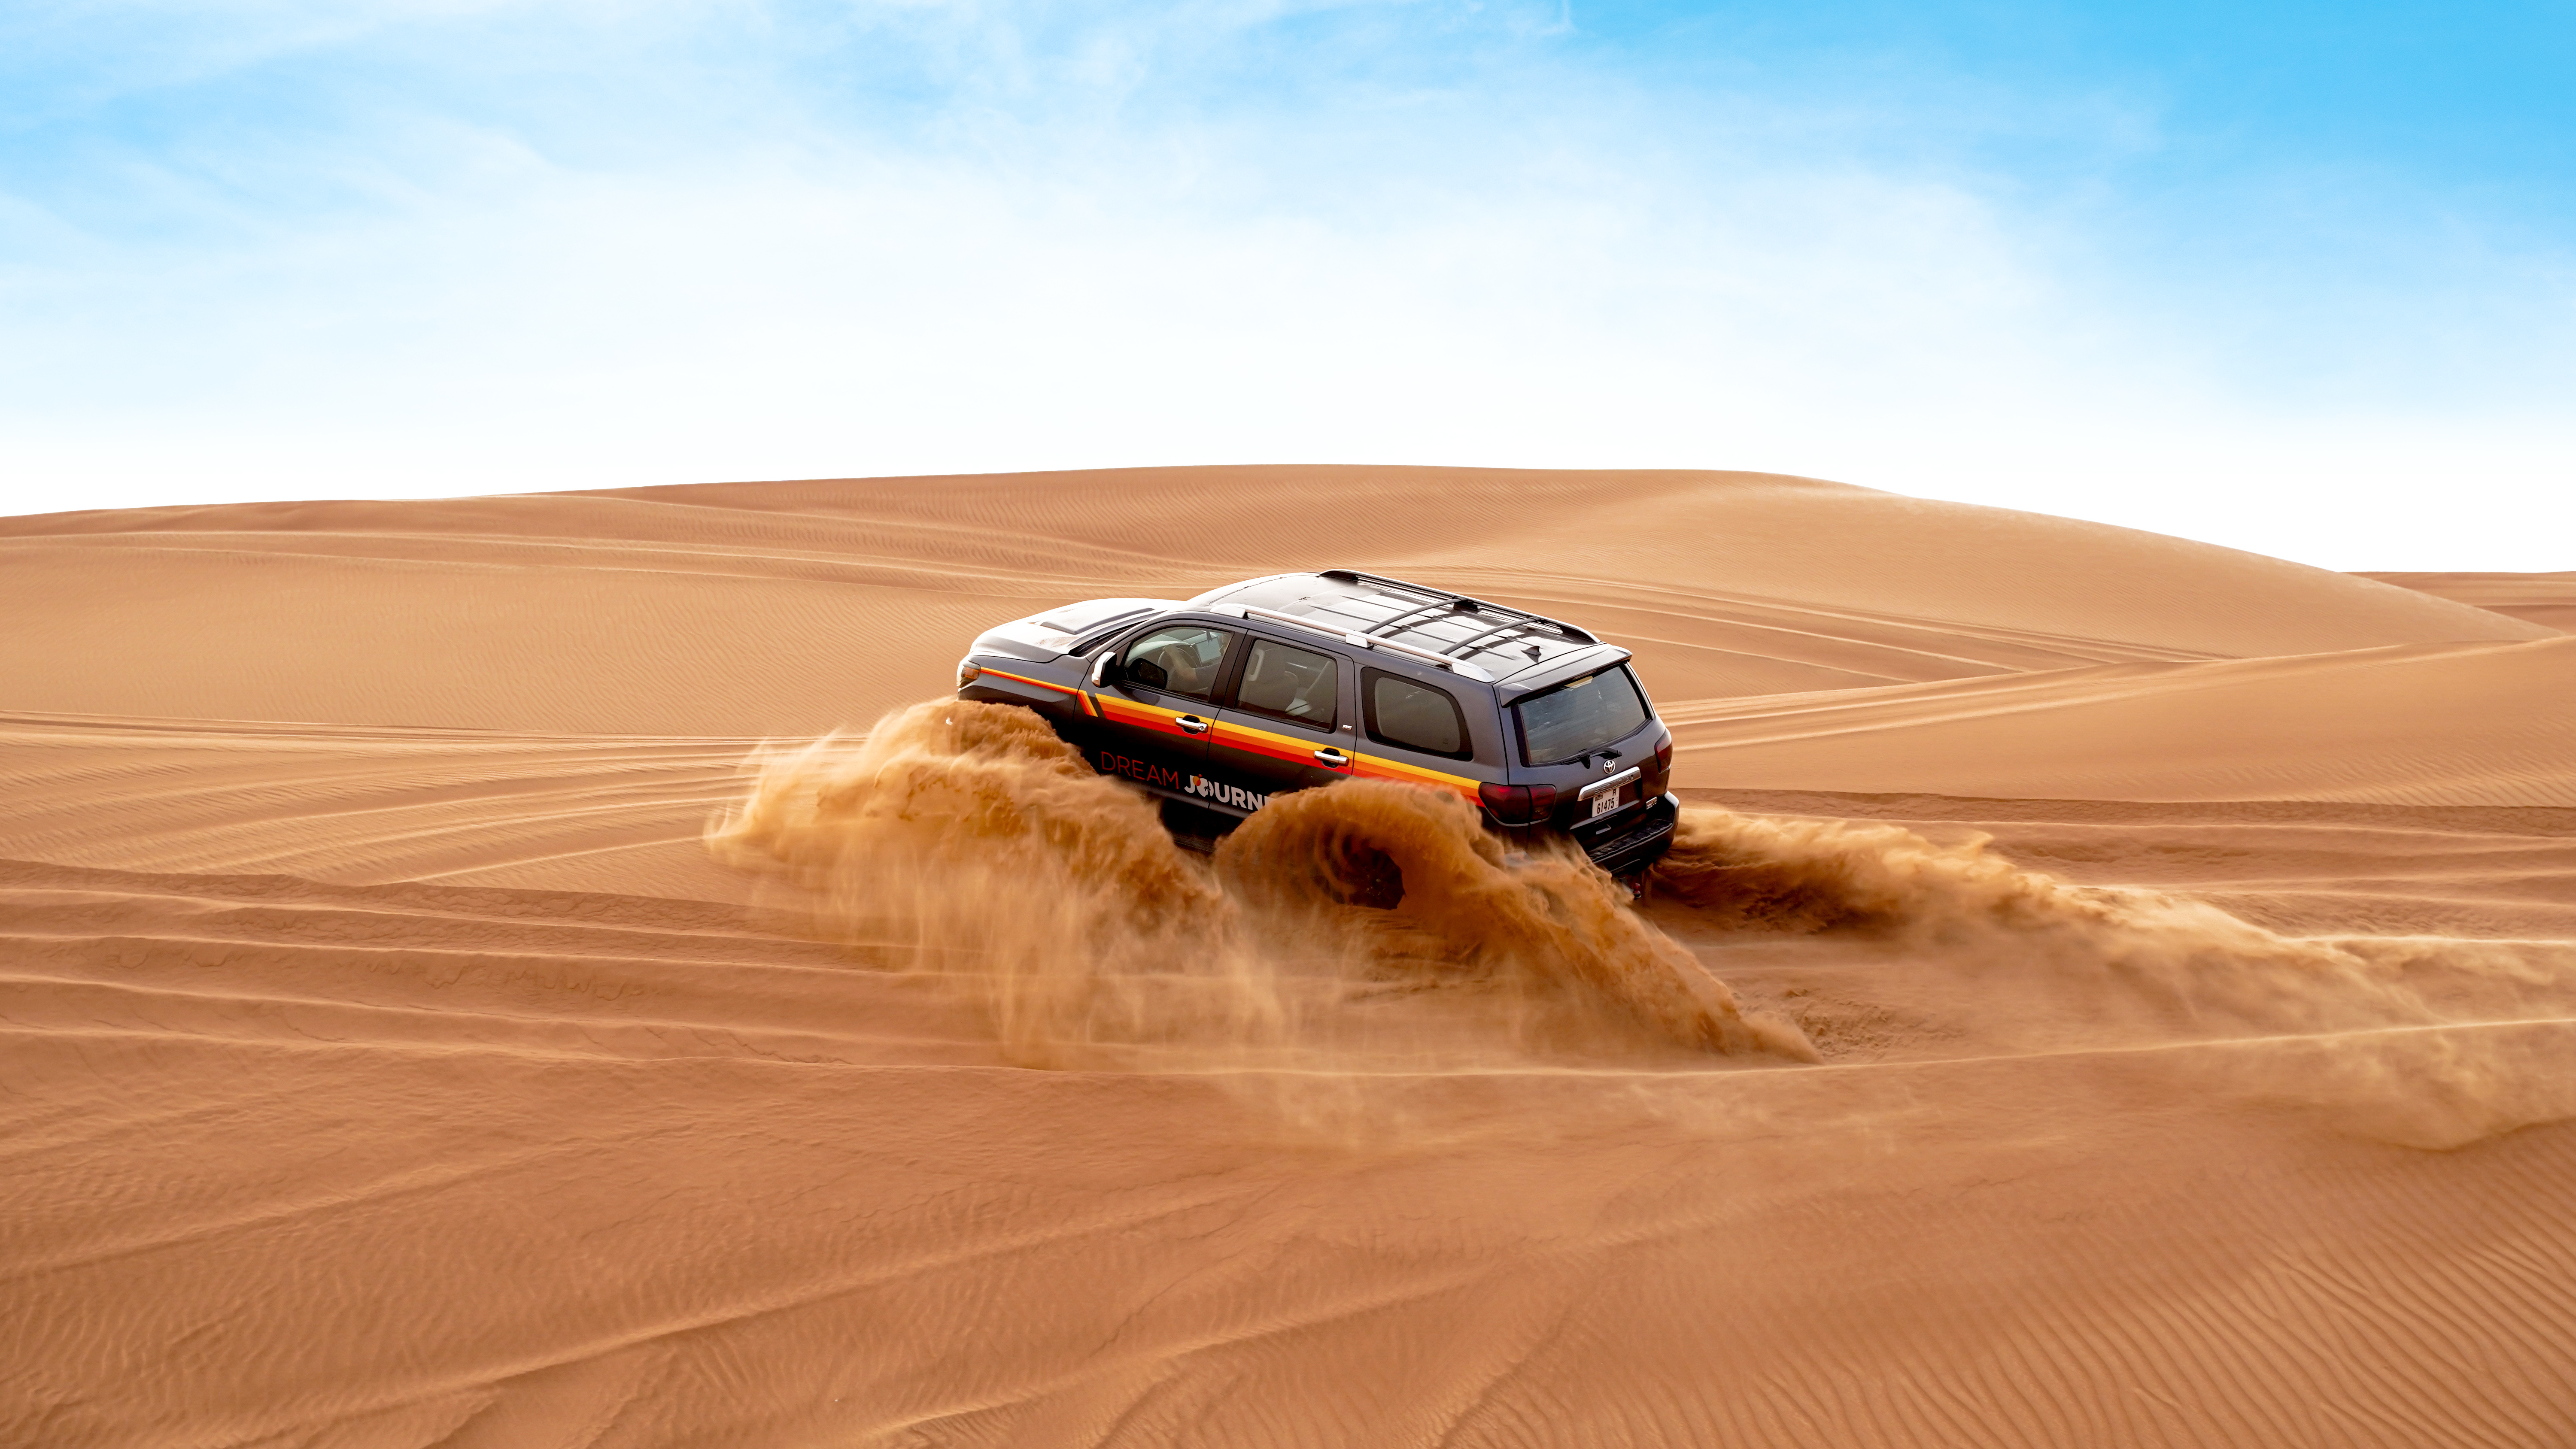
1519	804
1659	775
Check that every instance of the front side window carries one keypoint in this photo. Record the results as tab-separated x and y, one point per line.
1179	660
1414	716
1581	716
1289	683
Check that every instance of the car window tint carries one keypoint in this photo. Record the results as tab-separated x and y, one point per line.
1584	715
1180	660
1415	716
1290	683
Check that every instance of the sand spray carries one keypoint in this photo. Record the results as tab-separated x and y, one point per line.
2431	1042
966	839
1378	923
1964	907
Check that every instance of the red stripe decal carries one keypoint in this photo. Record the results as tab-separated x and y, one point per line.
1040	683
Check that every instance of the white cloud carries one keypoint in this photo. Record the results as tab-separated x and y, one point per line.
1408	275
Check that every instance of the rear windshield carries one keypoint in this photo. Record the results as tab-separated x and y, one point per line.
1581	716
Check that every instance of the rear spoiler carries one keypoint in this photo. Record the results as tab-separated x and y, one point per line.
1556	671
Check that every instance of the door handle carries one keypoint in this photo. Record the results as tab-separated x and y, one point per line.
1331	758
1191	723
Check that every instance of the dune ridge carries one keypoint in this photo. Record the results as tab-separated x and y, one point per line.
2545	599
2461	724
2185	943
793	608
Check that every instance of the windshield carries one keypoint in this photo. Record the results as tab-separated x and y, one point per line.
1082	618
1581	716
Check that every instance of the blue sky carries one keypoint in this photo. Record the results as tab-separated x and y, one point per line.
2297	278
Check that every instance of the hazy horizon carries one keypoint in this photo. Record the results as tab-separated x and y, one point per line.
2300	281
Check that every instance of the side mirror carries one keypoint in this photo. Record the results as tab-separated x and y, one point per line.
1101	666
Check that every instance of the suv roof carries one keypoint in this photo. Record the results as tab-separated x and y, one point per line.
1414	618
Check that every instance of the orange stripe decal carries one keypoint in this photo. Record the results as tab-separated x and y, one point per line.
1144	716
1251	741
1378	767
1040	683
1272	746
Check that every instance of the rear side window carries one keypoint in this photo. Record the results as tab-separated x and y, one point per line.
1413	716
1289	683
1580	716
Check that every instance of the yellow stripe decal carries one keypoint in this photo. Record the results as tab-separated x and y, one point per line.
1262	742
1278	747
1372	767
1378	767
1149	716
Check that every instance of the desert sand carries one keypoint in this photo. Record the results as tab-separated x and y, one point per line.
2114	991
2541	598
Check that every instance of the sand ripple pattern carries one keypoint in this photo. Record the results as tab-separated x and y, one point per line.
386	1063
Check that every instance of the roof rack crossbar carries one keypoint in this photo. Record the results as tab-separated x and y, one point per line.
1490	636
1426	656
1398	623
1479	605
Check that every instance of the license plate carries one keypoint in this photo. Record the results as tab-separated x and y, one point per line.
1606	803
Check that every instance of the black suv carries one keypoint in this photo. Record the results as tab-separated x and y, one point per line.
1295	680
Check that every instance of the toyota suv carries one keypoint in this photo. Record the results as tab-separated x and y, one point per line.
1297	680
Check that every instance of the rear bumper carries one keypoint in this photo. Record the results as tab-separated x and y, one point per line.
1634	844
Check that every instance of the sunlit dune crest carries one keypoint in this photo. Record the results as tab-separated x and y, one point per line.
557	970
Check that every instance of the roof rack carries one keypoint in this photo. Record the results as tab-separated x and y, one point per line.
1370	641
1493	637
1459	603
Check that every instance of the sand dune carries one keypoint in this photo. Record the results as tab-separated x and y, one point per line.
2548	599
2477	724
385	1060
759	609
368	804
